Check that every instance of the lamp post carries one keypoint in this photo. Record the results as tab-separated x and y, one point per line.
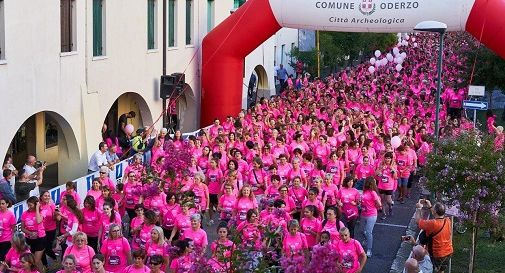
438	27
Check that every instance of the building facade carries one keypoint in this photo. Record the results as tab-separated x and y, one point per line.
69	66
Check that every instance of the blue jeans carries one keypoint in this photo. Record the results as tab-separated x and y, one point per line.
368	224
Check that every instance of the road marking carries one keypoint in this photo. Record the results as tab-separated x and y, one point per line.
390	225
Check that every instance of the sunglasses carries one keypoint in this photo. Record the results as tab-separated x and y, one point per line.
152	263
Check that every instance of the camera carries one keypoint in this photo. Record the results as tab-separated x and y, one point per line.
38	164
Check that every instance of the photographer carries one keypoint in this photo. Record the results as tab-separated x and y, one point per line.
26	187
438	233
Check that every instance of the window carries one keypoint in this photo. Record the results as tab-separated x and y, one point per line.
210	15
151	24
275	55
51	131
2	31
291	52
67	25
98	27
238	3
172	16
189	22
283	52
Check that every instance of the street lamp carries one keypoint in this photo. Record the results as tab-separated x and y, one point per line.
438	27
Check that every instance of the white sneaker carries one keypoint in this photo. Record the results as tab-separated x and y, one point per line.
369	253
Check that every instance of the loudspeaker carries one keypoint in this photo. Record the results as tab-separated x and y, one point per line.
180	78
170	84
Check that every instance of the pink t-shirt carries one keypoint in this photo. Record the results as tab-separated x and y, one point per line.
29	220
386	179
144	235
134	269
199	237
294	244
47	212
364	171
214	177
257	179
7	221
13	257
83	256
349	254
368	203
116	254
333	228
181	264
307	226
182	222
105	222
168	217
299	195
243	205
91	223
156	203
346	196
132	194
157	249
227	202
201	192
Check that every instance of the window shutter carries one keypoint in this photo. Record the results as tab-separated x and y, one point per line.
66	25
171	23
150	24
188	22
97	27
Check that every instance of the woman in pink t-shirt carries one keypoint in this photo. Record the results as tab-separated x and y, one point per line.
182	222
157	246
370	202
69	263
48	213
116	250
32	225
348	199
336	168
91	221
258	178
29	264
138	263
332	224
95	190
222	249
201	193
227	203
250	230
311	225
351	255
294	242
387	175
109	217
132	191
7	227
81	251
12	259
144	231
214	179
245	202
184	260
169	213
196	233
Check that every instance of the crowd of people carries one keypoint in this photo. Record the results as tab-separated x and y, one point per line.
292	175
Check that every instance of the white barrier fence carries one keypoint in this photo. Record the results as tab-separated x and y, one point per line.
83	184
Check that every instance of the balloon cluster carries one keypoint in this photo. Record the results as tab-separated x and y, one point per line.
395	57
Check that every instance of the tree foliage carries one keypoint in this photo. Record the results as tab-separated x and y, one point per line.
468	172
489	68
342	48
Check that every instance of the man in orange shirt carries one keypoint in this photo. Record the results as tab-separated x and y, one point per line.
439	227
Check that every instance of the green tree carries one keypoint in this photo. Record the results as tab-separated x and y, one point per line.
466	172
489	69
343	48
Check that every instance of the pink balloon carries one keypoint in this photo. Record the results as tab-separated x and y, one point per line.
129	128
396	142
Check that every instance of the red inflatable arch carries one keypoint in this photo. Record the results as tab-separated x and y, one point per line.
226	46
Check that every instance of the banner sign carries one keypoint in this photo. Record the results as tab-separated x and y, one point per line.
369	15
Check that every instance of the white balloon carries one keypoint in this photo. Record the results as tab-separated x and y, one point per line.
384	61
406	43
398	67
415	44
389	56
399	44
404	55
407	37
377	53
371	69
396	50
398	35
413	39
372	61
